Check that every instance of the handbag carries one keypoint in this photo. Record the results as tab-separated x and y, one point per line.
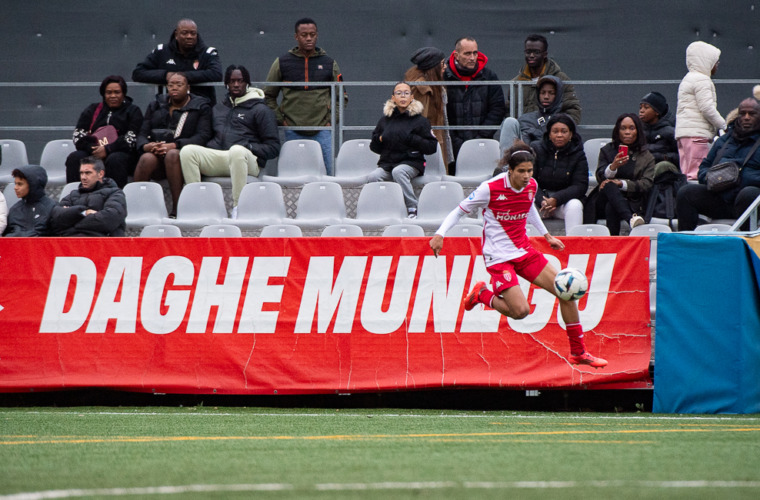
726	175
167	134
104	135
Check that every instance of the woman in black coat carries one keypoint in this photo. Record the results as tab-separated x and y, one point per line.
172	121
117	110
561	171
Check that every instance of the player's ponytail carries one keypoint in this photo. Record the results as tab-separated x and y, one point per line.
518	153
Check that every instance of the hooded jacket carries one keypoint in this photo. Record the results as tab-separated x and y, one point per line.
697	114
106	198
196	129
248	122
737	147
200	65
30	215
307	106
662	141
533	124
127	119
407	137
561	173
473	104
570	103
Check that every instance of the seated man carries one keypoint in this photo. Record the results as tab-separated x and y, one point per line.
96	208
245	137
532	126
661	135
740	144
31	214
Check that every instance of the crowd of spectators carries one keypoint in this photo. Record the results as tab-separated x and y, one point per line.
185	133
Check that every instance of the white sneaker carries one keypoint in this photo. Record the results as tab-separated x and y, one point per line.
412	214
233	212
636	221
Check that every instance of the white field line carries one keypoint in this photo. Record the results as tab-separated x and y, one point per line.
417	486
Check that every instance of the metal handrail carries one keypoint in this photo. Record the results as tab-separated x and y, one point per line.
751	212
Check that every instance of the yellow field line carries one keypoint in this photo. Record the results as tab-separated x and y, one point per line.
347	437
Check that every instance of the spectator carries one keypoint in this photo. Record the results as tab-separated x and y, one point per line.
30	216
402	137
117	111
96	208
309	106
429	67
561	171
171	122
697	116
659	133
739	144
538	64
185	52
471	104
625	177
532	126
245	137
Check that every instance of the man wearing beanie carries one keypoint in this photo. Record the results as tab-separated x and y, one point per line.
472	104
660	134
428	67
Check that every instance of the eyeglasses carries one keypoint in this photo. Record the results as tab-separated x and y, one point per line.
533	52
402	93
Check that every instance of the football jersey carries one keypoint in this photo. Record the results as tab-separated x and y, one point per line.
505	214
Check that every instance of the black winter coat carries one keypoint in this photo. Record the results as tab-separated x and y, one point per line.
561	174
30	215
661	138
533	124
106	198
127	119
197	127
407	137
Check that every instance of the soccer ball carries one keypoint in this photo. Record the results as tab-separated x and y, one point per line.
570	284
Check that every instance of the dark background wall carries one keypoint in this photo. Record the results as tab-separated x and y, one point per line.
81	41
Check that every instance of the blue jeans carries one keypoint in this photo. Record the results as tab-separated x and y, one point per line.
323	137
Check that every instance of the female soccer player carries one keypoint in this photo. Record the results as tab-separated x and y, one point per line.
507	203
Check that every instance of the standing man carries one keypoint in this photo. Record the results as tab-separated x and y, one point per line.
185	52
245	137
538	64
471	104
307	106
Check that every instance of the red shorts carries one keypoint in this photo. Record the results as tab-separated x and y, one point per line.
504	274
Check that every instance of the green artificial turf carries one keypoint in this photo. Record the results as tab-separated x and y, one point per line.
375	454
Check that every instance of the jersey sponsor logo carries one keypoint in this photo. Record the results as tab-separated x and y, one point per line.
506	216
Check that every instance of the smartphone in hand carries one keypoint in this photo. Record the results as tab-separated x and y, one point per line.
623	149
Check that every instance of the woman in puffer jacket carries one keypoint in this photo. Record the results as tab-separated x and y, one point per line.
697	116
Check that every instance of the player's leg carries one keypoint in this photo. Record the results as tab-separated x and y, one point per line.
507	298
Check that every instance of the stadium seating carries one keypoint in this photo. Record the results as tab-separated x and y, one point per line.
299	163
651	230
436	200
713	228
476	162
342	230
380	204
13	156
320	204
435	169
145	204
9	192
403	230
591	148
160	231
589	230
260	204
53	160
71	186
220	231
465	231
200	204
281	231
531	230
354	162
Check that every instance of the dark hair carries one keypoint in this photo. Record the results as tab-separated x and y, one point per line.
560	118
18	173
180	73
113	79
305	20
518	153
97	163
233	67
537	38
641	138
459	40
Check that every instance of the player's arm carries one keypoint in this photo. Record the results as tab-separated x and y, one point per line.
436	242
534	218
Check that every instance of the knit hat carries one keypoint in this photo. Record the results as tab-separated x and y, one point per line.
427	57
657	101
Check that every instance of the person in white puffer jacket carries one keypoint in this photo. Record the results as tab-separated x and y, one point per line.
697	117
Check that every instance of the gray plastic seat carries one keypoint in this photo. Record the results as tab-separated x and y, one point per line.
437	199
380	204
299	163
342	231
281	231
160	231
354	162
476	162
53	160
260	204
71	186
530	230
591	148
9	192
713	228
589	230
651	230
403	230
13	156
320	204
145	204
220	231
435	169
200	204
465	231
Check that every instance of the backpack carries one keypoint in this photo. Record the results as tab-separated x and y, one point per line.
662	198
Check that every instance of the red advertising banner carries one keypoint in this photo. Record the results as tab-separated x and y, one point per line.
304	315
